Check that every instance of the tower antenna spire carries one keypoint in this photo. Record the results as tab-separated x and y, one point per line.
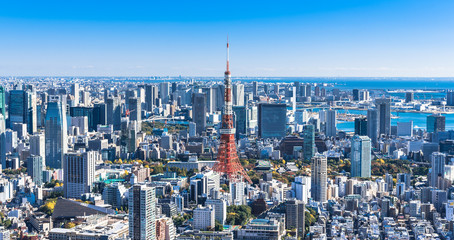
228	56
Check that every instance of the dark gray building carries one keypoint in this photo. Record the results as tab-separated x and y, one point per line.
272	120
199	110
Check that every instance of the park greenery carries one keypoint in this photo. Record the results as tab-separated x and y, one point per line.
238	215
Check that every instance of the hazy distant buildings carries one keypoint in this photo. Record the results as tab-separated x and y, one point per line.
272	120
361	156
55	134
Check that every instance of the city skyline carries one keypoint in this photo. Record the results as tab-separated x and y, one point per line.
301	39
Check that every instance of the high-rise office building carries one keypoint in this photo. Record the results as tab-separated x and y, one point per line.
210	94
360	156
272	120
165	92
22	109
2	101
238	94
255	88
331	123
75	92
437	163
199	111
436	123
35	169
99	115
79	173
135	111
319	178
114	112
150	96
309	141
355	94
372	124
142	212
240	117
294	216
384	115
2	142
38	146
361	126
204	218
409	97
56	133
220	209
450	98
405	129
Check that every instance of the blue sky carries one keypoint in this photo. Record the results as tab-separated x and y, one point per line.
365	38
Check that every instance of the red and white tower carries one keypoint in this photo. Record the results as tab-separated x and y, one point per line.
228	162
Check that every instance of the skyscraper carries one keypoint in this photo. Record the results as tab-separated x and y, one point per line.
437	163
361	126
372	124
114	112
355	94
255	88
38	146
331	121
238	94
319	178
2	142
450	98
210	94
294	217
150	96
22	109
384	115
142	212
164	91
272	120
35	166
240	114
2	101
309	141
199	111
79	173
55	134
360	156
409	97
135	111
436	123
75	92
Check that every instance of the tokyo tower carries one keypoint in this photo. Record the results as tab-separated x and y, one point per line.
228	162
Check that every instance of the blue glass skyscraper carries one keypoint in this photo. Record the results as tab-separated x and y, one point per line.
360	156
56	138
